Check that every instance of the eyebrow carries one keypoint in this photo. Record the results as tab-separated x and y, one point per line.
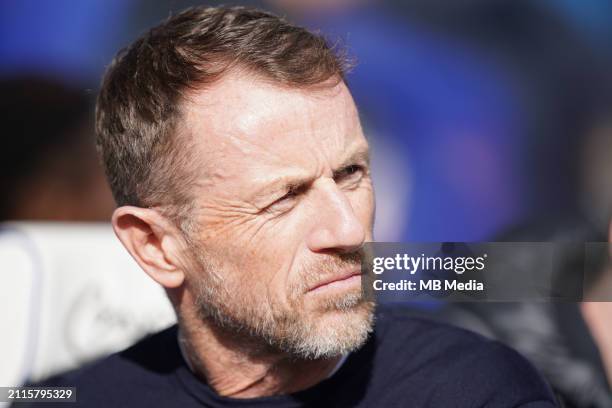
296	182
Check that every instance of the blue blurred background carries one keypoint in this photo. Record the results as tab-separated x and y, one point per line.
482	113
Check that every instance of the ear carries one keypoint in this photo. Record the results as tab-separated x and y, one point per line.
153	242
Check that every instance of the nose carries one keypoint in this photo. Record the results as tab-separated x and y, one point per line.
337	228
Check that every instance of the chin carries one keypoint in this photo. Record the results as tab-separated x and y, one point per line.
337	330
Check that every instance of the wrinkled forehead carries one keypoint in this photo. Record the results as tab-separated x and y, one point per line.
244	122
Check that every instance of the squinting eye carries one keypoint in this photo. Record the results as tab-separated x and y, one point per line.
290	194
352	169
285	202
350	172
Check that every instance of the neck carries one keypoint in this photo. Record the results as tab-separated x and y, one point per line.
239	367
597	316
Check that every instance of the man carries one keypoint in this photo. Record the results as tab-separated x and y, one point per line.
235	154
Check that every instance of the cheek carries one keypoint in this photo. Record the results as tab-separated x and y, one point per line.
260	267
256	253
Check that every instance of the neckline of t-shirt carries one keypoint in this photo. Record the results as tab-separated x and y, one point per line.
205	394
190	366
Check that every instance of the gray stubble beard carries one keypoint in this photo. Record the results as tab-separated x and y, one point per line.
262	323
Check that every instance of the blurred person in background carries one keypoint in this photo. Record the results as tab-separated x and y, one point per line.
569	342
235	154
50	170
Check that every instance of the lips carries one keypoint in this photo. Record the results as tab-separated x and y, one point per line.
340	278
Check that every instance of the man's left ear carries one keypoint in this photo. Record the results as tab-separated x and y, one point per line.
153	242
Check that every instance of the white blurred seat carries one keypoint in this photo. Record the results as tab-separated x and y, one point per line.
69	293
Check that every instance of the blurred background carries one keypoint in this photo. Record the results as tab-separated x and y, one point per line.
483	114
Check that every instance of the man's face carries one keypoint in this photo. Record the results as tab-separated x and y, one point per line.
284	203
